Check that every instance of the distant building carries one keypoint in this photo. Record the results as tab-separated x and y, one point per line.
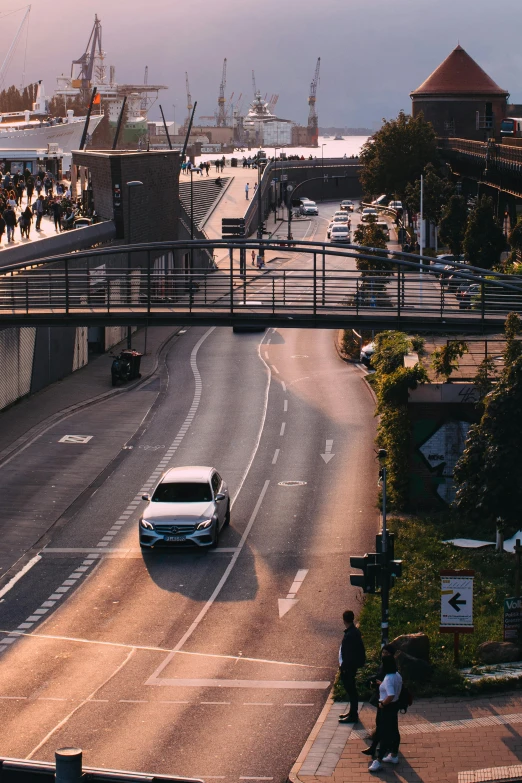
460	99
300	136
262	127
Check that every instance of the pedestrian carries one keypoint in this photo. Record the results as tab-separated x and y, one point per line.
387	737
260	261
255	188
253	257
207	167
247	188
38	185
373	683
39	209
352	656
26	218
2	227
30	187
10	222
56	210
217	164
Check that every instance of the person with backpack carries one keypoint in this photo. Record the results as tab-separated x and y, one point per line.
352	656
387	737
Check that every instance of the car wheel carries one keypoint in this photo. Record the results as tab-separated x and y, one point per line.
215	539
227	516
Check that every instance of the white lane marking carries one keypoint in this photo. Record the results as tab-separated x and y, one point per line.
27	567
310	704
154	678
274	369
215	702
327	456
283	384
296	685
75	439
285	604
266	354
285	406
107	538
18	698
80	705
283	426
276	455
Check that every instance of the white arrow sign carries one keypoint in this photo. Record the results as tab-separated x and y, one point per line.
327	456
285	604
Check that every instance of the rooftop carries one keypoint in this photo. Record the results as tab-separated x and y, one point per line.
459	74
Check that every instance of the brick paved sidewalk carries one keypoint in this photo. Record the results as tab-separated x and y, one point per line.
453	740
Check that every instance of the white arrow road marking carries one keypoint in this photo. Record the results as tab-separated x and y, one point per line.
285	604
327	456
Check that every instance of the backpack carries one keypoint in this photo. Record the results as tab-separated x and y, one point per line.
405	699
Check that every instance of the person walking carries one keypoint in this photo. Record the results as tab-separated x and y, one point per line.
373	683
387	737
10	222
352	656
56	210
247	188
253	257
2	227
25	220
39	209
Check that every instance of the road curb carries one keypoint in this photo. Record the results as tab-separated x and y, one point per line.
293	775
39	429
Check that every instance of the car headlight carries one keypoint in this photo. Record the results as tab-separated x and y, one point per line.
146	525
206	523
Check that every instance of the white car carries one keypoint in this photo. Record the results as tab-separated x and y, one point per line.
309	208
342	214
368	213
347	205
397	205
338	221
340	232
189	506
366	354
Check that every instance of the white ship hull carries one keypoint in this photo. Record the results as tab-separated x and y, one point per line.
66	135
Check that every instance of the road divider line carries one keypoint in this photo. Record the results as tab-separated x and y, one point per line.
283	427
285	406
274	369
276	455
27	567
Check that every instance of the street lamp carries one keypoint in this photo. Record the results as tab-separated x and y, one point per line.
275	183
135	183
261	163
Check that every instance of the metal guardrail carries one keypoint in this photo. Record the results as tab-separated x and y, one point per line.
316	291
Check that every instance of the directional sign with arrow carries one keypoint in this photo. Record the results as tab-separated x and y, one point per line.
327	456
456	605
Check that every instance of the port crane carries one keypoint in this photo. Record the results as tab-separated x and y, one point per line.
313	130
7	60
189	101
144	101
221	119
93	52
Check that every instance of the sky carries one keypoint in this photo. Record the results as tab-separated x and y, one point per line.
373	53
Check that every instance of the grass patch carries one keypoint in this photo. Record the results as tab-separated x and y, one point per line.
415	603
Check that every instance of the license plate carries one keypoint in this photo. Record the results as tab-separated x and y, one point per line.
174	538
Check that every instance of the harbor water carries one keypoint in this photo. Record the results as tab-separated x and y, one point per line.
350	145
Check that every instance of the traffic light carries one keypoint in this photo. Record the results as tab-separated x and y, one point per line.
370	579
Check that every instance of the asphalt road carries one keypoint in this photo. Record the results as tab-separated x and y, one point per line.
205	664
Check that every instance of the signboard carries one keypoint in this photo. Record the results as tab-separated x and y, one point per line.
233	227
512	619
456	601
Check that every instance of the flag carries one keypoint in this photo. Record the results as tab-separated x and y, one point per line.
96	99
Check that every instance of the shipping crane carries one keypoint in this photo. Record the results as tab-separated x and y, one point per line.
93	52
221	119
144	101
189	101
10	52
272	102
254	84
313	129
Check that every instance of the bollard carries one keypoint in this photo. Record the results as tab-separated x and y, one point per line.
68	765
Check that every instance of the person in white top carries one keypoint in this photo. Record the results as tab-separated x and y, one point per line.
387	737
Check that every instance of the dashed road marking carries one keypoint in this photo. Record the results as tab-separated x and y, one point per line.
274	369
283	426
276	455
285	406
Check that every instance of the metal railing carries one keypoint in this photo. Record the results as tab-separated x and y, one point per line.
317	289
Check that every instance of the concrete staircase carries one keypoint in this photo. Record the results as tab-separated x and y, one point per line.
205	194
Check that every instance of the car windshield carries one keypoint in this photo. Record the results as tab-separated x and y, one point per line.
339	229
182	492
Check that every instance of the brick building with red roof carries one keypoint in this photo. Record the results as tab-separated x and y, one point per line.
460	99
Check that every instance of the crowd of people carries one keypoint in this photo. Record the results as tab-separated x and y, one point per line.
26	198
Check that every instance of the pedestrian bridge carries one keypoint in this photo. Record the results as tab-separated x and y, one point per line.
307	285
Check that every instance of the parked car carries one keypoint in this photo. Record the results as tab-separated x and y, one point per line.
347	205
366	354
468	295
189	506
340	232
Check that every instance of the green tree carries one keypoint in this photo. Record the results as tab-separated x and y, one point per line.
515	237
453	224
484	240
437	192
512	329
371	236
397	154
445	359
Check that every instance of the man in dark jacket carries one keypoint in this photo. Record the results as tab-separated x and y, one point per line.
351	657
10	222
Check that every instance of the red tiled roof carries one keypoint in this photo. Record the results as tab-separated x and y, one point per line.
459	74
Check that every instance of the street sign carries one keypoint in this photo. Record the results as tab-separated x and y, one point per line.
512	619
456	601
284	177
233	227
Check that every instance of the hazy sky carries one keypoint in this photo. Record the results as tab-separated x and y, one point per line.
372	52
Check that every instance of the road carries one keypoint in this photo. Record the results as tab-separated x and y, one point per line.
210	664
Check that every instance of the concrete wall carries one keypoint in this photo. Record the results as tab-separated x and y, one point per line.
67	242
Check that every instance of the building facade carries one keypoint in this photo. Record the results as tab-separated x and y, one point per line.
460	99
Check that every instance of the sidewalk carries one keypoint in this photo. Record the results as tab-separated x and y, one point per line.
26	420
47	229
444	740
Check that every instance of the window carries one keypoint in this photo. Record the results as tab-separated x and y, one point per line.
216	482
183	492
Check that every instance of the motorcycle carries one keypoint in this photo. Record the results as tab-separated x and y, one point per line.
125	367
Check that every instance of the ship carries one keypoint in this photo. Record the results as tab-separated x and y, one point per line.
338	138
35	129
89	71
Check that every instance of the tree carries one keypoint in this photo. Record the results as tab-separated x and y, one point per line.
515	237
437	192
445	359
488	472
371	236
453	224
397	154
484	240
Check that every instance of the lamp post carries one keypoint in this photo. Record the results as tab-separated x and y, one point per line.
275	183
135	183
385	578
261	163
